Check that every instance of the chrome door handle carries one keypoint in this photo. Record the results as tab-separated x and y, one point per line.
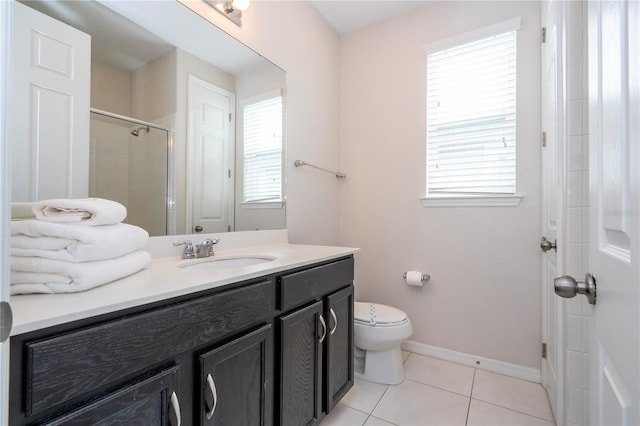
214	392
335	322
547	245
176	407
324	329
566	286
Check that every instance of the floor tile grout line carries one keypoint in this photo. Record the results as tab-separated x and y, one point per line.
379	399
360	411
473	380
515	411
380	418
366	420
437	387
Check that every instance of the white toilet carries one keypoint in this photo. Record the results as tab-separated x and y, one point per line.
378	332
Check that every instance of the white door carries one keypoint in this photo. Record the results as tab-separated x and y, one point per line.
552	205
50	108
5	197
614	196
210	139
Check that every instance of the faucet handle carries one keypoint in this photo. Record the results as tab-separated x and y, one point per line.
205	249
209	242
188	252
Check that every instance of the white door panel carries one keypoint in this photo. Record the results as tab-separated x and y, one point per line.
51	92
614	196
5	199
552	206
210	136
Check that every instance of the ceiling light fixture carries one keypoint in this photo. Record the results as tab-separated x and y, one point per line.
231	9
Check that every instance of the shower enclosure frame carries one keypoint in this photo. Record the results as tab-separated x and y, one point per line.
170	201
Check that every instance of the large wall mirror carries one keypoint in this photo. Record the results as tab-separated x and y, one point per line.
185	123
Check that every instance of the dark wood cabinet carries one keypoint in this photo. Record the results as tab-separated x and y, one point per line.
300	363
316	342
271	350
152	401
339	343
236	381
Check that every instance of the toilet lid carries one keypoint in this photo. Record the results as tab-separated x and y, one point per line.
376	313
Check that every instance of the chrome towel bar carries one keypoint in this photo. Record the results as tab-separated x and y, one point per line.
299	163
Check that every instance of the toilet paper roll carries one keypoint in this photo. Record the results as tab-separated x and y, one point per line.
414	278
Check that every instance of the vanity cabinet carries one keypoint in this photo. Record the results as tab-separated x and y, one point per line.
58	374
316	341
236	381
257	352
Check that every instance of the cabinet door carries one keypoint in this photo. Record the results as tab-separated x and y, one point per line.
152	401
339	353
301	335
236	381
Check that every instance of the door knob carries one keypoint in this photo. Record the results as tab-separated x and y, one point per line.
198	228
566	286
547	245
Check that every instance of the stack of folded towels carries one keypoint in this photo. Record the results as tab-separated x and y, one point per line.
72	245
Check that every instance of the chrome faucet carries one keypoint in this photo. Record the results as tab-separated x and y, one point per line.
205	249
188	252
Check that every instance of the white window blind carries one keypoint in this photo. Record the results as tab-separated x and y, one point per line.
262	150
471	117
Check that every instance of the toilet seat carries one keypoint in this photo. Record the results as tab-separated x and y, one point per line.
378	315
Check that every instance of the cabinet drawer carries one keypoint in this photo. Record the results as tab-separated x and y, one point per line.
76	364
300	287
147	402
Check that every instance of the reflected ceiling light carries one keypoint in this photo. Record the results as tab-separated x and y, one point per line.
232	9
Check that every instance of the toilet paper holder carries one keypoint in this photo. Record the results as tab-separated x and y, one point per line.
425	277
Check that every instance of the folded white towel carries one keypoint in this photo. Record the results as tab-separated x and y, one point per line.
84	211
21	211
72	243
36	275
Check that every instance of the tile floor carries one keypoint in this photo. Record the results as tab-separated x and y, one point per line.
437	392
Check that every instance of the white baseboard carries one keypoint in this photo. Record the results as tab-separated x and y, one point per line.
501	367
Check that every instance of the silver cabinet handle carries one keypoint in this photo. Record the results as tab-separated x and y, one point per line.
214	392
324	329
335	321
176	407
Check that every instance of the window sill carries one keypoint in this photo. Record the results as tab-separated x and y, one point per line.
472	201
263	205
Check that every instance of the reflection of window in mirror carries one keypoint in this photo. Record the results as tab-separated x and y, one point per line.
262	149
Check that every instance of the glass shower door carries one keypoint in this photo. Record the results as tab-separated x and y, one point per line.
128	163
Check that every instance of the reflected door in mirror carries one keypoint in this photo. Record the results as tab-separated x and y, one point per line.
209	140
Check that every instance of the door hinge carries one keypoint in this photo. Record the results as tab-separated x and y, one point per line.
544	351
544	139
228	228
544	34
6	321
229	173
229	117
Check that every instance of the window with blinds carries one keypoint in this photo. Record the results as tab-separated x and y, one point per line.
262	151
471	117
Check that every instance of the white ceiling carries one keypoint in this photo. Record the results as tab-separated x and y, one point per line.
351	15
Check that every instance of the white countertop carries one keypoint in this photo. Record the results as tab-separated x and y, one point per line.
161	280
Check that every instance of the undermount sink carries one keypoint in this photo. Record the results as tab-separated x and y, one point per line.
225	262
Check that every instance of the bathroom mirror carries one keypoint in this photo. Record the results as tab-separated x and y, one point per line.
164	76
